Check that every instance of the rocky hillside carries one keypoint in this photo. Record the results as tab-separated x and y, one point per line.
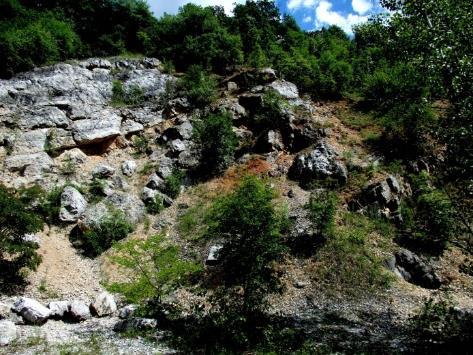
109	134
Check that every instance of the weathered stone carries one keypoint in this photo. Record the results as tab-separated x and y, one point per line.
104	305
267	74
177	146
59	309
97	63
213	257
103	171
73	205
31	310
79	311
155	182
30	142
8	332
416	271
129	126
286	89
165	166
31	238
129	167
321	162
43	117
232	86
135	324
102	126
127	311
270	141
75	156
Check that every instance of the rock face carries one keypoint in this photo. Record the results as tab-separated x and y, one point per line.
8	332
212	257
414	270
73	205
104	305
320	163
65	106
31	310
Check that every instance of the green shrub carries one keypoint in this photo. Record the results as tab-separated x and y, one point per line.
321	208
155	206
16	252
45	204
270	115
96	190
172	183
199	88
430	219
218	142
118	93
155	266
252	229
347	263
439	322
141	144
111	228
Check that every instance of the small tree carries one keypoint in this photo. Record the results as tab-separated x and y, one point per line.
155	268
16	251
253	229
218	142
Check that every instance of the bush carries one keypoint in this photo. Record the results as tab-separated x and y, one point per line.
252	228
347	263
322	208
172	183
440	325
155	206
218	143
155	267
16	252
132	97
199	88
141	144
429	216
111	228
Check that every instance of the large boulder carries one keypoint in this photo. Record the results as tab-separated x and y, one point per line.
104	305
73	205
30	164
8	332
127	311
129	167
101	126
383	197
79	311
414	270
103	171
286	89
31	310
59	309
319	163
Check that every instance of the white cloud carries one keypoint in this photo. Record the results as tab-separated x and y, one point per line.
325	16
297	4
307	19
159	7
361	6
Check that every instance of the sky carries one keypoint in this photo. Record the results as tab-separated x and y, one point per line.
309	14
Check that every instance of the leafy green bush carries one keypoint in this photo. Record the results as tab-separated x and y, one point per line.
218	142
96	189
16	252
172	183
322	208
439	322
155	266
155	206
347	263
141	144
111	228
252	228
199	87
430	219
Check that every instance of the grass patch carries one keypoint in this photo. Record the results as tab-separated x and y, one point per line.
348	263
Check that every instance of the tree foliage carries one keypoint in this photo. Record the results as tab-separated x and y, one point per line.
16	250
